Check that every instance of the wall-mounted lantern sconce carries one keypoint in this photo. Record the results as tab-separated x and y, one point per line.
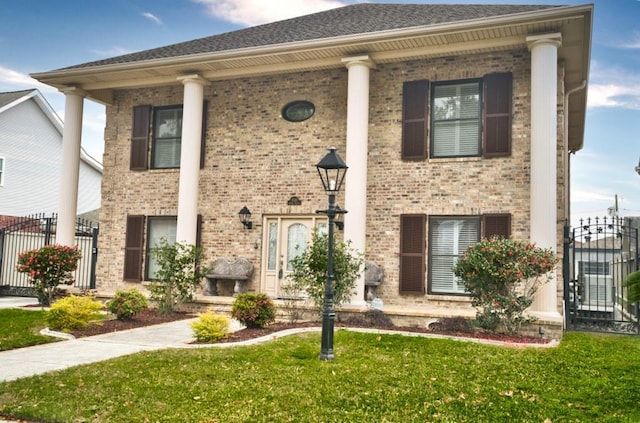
245	217
339	220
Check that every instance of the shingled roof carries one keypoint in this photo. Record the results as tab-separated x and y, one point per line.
349	20
10	97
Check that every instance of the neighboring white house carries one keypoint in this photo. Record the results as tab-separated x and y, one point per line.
31	158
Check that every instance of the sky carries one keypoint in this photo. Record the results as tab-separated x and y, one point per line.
43	35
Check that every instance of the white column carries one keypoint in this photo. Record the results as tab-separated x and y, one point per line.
190	158
544	141
355	221
69	176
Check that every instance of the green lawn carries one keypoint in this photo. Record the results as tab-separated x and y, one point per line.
20	328
375	378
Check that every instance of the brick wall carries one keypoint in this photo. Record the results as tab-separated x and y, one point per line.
254	157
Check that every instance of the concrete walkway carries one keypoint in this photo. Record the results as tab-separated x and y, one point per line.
39	359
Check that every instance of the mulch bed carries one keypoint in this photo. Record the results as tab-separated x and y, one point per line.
153	317
251	333
147	317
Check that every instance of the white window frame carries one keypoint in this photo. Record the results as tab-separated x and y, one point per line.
445	275
600	268
167	142
454	121
3	161
154	234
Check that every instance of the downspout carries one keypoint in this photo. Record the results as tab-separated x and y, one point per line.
565	149
566	252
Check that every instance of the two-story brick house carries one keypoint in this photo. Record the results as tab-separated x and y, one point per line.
456	122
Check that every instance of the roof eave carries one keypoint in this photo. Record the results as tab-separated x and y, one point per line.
98	81
514	19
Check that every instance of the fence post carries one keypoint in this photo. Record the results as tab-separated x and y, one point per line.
566	272
1	253
637	265
47	231
94	257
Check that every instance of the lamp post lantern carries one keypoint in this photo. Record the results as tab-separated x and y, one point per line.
332	170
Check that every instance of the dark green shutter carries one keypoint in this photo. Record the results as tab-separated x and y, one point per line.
140	130
415	109
203	140
497	114
412	253
496	224
134	248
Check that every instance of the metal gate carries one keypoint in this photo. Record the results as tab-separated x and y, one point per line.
598	256
32	232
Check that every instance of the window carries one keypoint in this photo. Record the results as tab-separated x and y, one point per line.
594	268
455	119
158	228
136	248
468	118
160	128
298	111
449	237
1	171
167	134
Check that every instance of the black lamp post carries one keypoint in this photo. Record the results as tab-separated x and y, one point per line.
332	170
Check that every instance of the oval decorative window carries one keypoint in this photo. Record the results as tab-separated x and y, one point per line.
297	111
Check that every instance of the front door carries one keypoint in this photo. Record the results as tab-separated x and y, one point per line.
284	238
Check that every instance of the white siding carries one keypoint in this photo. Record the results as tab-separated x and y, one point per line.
32	148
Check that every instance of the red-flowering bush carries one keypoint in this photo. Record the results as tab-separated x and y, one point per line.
253	310
49	267
502	275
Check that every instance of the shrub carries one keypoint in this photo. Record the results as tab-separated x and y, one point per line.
310	270
178	275
73	312
126	304
293	301
371	318
502	275
452	324
632	282
210	327
49	267
253	310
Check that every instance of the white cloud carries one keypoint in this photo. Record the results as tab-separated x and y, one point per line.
112	52
590	196
634	43
256	12
152	17
614	87
14	80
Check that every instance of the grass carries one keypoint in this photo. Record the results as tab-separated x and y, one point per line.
382	378
20	328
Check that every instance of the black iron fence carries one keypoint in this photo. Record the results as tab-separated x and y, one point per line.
35	231
599	255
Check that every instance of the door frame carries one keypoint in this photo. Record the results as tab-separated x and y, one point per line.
314	219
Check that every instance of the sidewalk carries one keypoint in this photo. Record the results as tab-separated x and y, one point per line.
23	362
